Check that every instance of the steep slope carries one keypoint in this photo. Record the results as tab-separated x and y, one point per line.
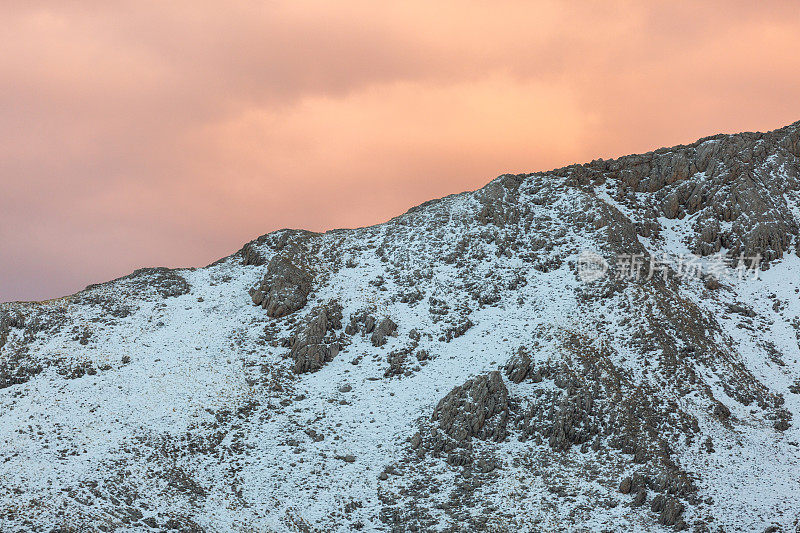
455	368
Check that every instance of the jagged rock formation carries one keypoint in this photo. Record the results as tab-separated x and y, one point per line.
481	382
310	348
284	289
519	366
478	408
382	330
737	181
365	323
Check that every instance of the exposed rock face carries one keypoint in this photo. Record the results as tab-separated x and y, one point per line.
364	322
383	329
284	289
738	180
478	408
251	256
519	366
669	511
312	347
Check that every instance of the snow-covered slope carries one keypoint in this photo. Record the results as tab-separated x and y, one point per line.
453	369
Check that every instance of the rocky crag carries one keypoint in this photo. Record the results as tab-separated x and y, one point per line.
453	369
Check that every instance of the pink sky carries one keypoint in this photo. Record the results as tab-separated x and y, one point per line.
149	133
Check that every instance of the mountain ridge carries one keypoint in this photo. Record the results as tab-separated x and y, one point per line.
455	368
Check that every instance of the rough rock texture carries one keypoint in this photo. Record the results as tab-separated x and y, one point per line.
365	323
284	288
311	346
740	181
478	408
519	366
383	329
251	256
669	511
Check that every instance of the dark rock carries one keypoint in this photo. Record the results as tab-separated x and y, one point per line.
721	411
518	366
397	360
284	289
382	330
166	281
311	345
668	508
478	408
251	256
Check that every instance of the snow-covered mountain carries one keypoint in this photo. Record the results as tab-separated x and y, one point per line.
603	347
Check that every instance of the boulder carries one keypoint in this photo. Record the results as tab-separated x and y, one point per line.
519	366
478	408
668	508
383	329
312	347
284	289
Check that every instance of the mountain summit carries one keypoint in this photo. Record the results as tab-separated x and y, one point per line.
603	347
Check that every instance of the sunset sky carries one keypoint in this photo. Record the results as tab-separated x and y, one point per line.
149	133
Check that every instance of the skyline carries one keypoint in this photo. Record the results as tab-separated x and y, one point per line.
142	134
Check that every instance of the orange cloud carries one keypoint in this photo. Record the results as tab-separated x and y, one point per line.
144	133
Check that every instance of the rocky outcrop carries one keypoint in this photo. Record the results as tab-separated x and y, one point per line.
383	329
364	322
669	511
167	282
519	366
478	408
312	346
737	187
8	320
17	368
284	289
290	243
739	181
251	256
